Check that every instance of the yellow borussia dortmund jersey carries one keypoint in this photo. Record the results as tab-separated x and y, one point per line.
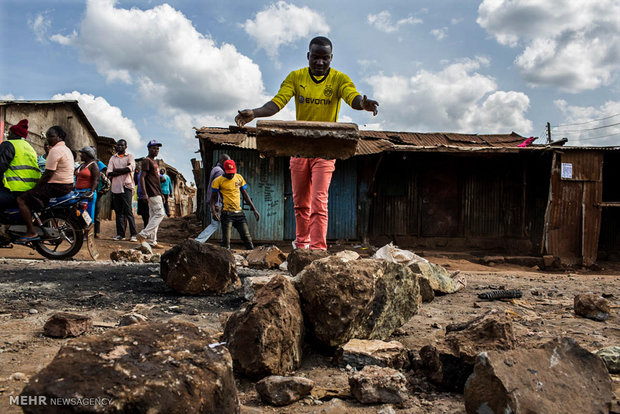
230	190
316	98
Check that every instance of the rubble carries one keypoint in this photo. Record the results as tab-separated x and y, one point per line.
279	391
358	353
549	379
134	256
266	337
375	385
365	299
158	367
298	259
265	257
449	363
591	306
64	325
194	268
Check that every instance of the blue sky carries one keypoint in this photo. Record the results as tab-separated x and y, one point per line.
153	69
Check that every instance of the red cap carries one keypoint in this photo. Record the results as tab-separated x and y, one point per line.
230	167
21	128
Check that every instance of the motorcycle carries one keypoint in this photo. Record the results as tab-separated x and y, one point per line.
61	226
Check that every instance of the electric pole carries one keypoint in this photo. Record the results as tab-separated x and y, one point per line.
548	133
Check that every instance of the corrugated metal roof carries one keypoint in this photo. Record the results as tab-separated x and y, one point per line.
374	142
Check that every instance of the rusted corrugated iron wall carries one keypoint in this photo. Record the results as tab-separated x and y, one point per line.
395	203
573	216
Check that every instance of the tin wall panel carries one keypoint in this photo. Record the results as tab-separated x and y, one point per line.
265	186
586	164
592	196
564	229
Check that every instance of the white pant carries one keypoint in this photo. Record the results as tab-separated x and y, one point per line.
156	215
208	231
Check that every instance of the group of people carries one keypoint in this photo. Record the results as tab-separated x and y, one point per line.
29	182
318	90
152	186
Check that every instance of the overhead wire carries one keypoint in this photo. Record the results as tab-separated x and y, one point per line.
589	129
586	122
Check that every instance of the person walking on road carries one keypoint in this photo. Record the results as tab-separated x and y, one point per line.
317	90
120	170
151	185
216	171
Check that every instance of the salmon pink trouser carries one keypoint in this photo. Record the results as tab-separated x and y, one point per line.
310	178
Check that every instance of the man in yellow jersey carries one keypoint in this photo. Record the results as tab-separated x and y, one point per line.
317	90
232	186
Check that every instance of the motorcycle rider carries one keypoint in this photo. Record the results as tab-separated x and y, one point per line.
19	170
57	180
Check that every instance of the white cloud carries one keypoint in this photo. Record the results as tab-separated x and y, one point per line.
440	33
588	125
572	45
175	67
283	24
7	97
40	26
455	99
107	120
65	40
383	21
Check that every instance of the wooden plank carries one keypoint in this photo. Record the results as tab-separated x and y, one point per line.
327	140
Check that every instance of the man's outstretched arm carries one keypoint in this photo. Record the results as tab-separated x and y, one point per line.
247	115
363	103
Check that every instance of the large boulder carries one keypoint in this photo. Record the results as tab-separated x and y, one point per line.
558	377
172	367
266	337
298	259
265	257
193	268
364	299
451	361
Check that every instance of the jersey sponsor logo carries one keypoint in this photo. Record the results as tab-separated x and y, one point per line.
328	91
314	101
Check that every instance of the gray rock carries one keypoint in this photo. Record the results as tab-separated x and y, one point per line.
266	337
376	385
194	268
558	377
365	299
148	367
131	318
279	391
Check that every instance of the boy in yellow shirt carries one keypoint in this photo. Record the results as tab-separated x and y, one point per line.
232	186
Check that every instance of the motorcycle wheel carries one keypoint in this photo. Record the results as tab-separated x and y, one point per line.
67	244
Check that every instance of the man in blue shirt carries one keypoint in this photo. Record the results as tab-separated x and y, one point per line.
166	188
217	171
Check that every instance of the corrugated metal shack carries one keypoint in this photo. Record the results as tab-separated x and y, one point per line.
443	190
